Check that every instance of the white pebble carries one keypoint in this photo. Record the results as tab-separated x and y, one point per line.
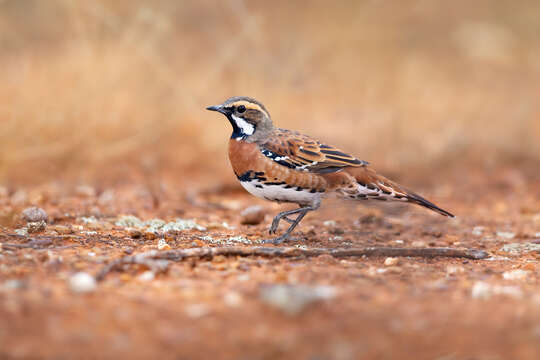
453	269
82	282
147	276
391	261
516	274
483	290
196	311
162	245
232	299
506	234
478	230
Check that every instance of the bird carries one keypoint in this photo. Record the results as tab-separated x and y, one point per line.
286	166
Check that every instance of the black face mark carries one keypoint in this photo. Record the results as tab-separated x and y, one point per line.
241	109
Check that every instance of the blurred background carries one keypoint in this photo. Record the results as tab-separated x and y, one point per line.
105	90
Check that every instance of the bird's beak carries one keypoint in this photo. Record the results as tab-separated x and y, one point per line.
218	108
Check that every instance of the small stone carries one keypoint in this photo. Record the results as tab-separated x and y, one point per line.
22	231
106	197
34	227
454	269
162	245
196	311
12	285
418	244
134	233
293	299
82	282
34	214
62	229
329	223
483	290
391	261
85	191
478	230
147	276
232	299
517	274
399	242
506	234
19	197
252	215
150	235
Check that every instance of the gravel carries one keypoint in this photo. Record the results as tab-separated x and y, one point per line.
158	226
520	248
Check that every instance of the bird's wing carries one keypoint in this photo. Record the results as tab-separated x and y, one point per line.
303	153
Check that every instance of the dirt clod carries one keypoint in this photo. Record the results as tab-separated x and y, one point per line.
34	214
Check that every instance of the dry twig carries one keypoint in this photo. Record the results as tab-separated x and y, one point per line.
149	258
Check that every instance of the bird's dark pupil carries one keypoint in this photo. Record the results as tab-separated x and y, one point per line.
241	109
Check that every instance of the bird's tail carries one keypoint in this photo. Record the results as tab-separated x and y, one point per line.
374	186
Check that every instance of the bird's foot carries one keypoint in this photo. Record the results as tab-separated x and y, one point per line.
278	240
275	224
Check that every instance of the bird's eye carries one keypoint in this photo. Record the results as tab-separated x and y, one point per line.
241	109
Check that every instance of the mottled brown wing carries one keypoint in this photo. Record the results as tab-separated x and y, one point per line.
303	153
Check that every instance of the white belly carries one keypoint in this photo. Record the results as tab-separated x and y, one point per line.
280	193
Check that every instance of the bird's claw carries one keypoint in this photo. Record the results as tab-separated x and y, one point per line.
275	241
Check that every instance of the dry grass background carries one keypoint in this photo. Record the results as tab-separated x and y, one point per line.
94	89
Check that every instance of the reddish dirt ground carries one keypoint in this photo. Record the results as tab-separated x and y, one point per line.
371	307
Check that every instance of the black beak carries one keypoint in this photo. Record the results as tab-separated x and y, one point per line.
218	108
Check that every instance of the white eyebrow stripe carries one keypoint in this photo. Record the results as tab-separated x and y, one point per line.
244	126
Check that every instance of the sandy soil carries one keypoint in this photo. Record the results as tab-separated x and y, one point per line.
267	308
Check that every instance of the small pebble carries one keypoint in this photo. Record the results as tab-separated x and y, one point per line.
391	261
483	290
162	245
418	244
478	230
506	234
232	299
34	214
147	276
150	235
134	233
196	311
85	191
454	269
62	230
252	215
516	274
292	299
82	282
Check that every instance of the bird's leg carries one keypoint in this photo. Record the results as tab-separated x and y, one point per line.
283	215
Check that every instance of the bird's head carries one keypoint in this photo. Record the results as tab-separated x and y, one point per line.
249	118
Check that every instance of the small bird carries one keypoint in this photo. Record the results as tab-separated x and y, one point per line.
286	166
